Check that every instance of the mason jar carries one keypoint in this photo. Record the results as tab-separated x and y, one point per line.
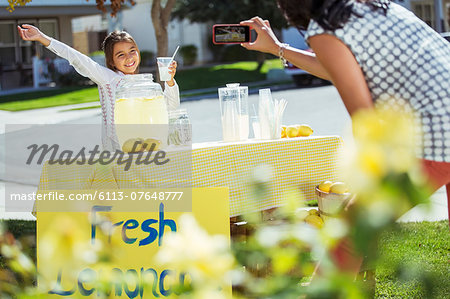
180	131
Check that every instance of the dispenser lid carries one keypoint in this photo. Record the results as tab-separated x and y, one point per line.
233	85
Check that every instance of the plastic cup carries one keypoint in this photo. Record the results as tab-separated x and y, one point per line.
163	67
256	127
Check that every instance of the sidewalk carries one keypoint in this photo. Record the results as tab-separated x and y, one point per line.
52	115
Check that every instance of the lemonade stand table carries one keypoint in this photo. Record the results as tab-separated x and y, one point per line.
301	162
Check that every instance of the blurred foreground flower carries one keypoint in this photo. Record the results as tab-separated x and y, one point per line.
382	165
207	260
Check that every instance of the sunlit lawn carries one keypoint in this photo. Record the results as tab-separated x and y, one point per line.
189	79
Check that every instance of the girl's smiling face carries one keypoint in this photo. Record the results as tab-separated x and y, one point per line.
126	57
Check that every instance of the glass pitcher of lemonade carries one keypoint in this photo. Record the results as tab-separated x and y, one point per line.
234	110
140	111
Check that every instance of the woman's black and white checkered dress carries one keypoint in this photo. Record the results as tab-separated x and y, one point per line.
403	58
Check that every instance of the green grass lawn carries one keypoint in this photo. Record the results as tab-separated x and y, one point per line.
85	95
189	79
418	246
217	76
424	245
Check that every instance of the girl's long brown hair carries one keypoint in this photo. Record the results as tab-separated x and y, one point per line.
108	46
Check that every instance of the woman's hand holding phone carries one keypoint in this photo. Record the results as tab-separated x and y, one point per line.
266	40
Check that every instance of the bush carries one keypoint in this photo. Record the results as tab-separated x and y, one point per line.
71	79
231	53
147	58
189	54
97	53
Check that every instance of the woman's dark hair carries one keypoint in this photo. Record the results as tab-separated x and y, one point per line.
330	14
108	46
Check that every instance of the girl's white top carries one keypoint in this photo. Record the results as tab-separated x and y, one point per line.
107	81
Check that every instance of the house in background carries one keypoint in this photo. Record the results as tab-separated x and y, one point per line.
137	21
80	24
53	17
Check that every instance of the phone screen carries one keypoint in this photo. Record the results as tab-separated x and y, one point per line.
231	34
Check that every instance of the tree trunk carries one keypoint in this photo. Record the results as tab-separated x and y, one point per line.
160	19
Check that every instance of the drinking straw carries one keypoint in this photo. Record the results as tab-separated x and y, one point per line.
254	110
173	56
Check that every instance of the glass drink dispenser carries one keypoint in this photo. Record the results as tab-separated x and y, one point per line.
139	104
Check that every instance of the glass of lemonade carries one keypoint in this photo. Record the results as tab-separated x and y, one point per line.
140	109
163	67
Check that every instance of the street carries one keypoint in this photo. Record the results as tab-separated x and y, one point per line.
319	107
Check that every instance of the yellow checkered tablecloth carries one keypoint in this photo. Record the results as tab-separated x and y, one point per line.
295	162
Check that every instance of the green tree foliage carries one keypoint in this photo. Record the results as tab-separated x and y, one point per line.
229	11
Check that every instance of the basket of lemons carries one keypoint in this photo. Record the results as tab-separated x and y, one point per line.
332	197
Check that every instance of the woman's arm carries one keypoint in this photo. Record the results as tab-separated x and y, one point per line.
306	61
344	71
84	65
267	42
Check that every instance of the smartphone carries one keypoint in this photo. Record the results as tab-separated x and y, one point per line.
230	34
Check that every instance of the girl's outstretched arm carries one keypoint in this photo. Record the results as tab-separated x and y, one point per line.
84	65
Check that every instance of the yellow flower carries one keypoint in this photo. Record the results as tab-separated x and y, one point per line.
386	140
207	259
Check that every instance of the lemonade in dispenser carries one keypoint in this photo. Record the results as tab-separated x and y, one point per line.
139	104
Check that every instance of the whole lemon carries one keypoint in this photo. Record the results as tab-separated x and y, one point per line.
128	145
283	131
291	131
325	186
339	188
301	214
147	144
304	130
314	220
313	212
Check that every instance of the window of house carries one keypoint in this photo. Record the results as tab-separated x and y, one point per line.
426	13
15	51
50	28
27	48
448	17
7	43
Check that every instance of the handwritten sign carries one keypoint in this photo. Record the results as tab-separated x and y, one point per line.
67	242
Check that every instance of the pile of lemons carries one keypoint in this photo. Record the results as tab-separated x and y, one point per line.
336	187
134	145
296	131
311	217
